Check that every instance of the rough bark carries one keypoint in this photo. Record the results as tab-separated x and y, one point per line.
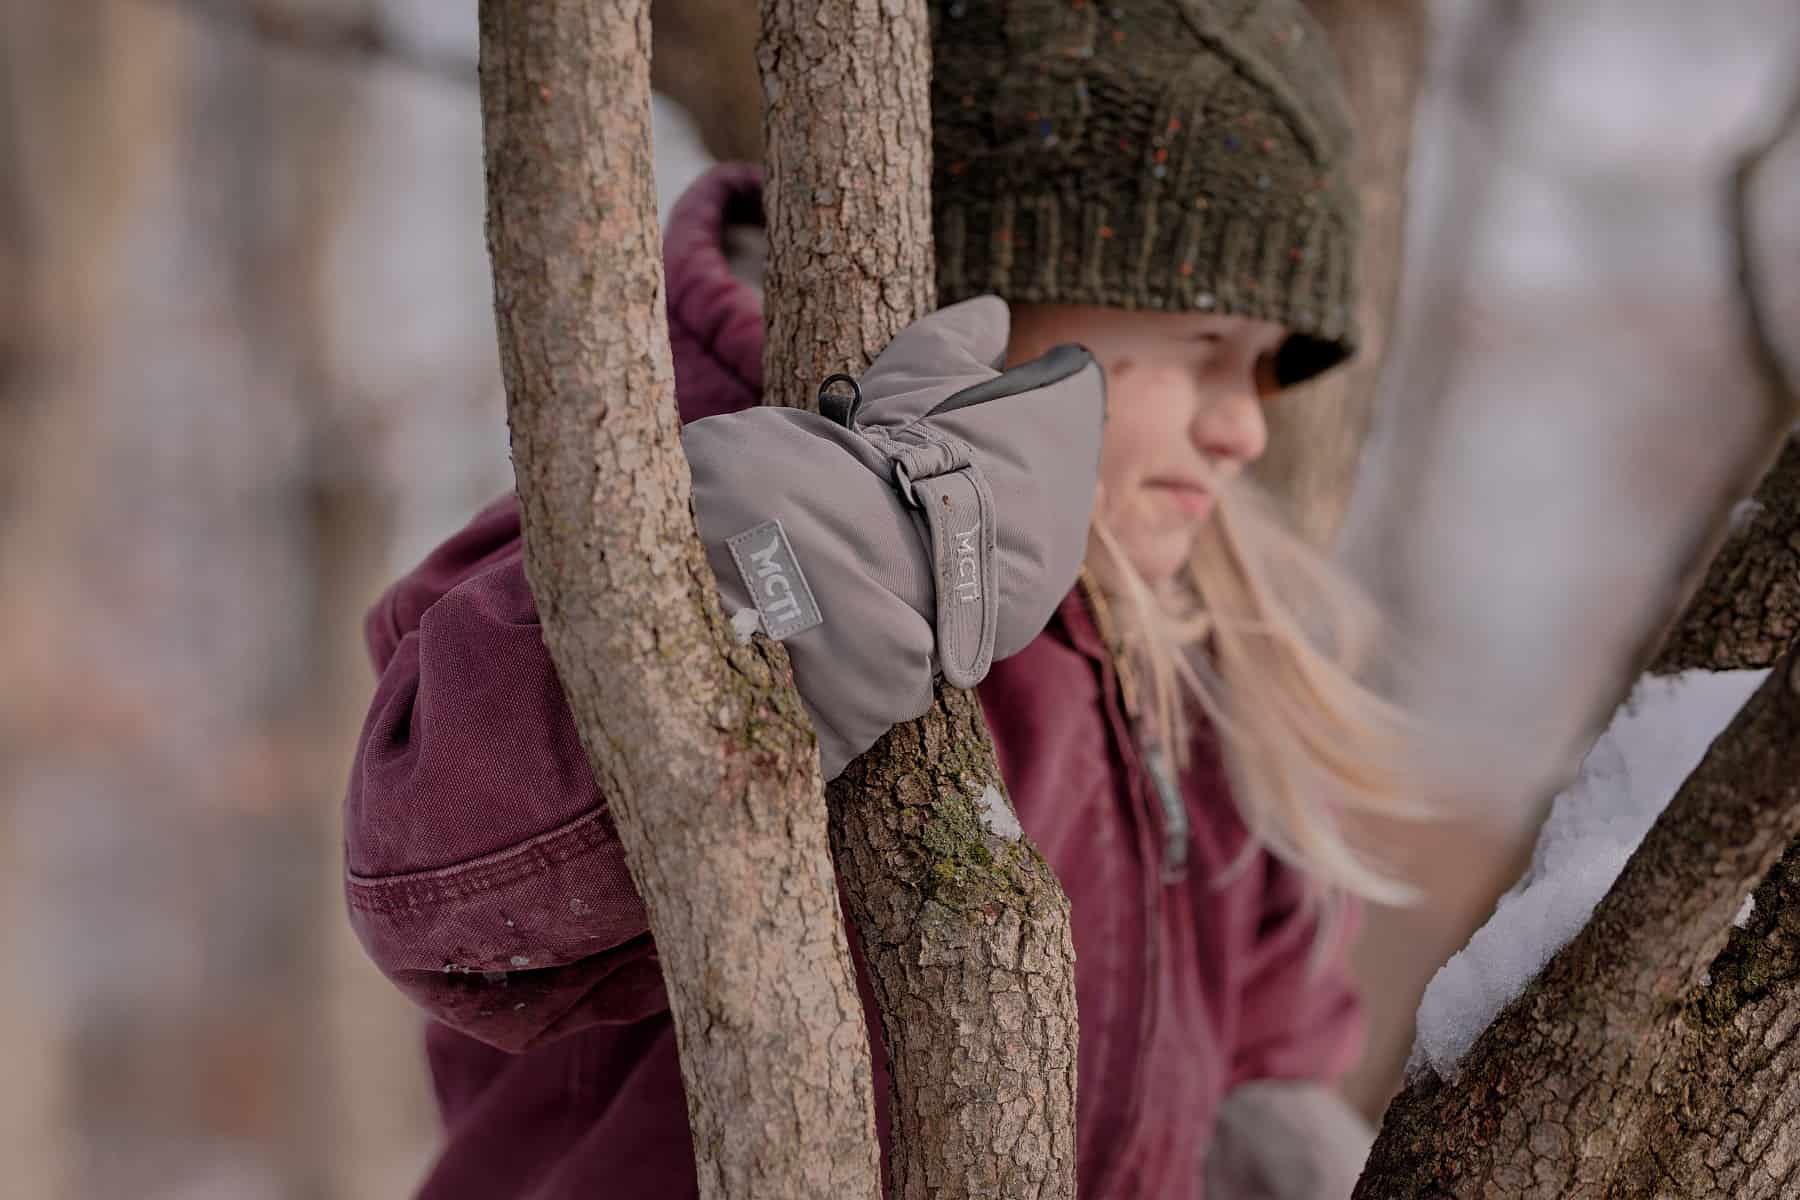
967	938
1747	608
966	935
1655	1054
699	744
1589	1083
1316	437
847	142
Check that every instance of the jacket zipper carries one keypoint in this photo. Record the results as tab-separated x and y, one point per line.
1174	814
1132	753
1140	761
1154	758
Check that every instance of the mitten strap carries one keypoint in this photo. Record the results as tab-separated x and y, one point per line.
939	477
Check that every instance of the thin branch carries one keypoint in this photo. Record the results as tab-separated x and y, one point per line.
1747	608
1765	354
363	37
1596	1020
1701	616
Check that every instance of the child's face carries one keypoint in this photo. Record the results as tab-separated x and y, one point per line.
1185	395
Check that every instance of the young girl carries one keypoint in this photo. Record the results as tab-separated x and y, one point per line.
1164	183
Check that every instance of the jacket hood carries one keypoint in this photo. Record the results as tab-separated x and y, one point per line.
715	318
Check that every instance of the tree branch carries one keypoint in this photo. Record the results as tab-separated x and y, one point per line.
1709	628
966	932
1778	382
1747	607
1602	1077
699	744
1315	443
1552	1099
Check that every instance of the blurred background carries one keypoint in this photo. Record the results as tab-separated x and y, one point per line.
247	375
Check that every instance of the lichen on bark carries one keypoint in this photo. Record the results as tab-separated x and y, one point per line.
967	938
1762	956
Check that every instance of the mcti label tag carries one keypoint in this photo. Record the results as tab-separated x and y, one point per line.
772	573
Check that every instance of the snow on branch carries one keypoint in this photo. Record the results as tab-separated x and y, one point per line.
1655	741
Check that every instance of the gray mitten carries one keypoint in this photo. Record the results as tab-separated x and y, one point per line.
929	524
1287	1139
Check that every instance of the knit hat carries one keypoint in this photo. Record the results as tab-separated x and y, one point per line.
1176	155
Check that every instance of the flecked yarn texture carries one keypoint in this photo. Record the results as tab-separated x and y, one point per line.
1175	155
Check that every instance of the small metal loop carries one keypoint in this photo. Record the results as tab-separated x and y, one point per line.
841	409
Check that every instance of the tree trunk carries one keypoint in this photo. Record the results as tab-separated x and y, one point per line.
1747	608
699	743
1655	1054
965	931
1619	1072
1316	438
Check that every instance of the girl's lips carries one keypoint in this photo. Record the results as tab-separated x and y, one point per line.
1191	498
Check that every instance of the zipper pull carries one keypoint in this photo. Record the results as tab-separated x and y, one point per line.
1175	818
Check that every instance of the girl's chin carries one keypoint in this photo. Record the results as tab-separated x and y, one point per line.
1156	563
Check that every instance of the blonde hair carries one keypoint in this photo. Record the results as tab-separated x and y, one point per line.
1272	641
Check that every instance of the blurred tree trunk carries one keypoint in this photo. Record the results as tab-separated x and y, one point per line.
34	1038
362	1050
705	60
1316	436
158	619
1316	439
182	640
1655	1054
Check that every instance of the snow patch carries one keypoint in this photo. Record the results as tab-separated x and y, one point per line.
997	816
1744	512
746	623
1656	739
1743	914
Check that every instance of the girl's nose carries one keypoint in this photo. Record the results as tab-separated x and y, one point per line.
1230	425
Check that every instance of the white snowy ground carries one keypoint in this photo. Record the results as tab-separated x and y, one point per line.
1656	738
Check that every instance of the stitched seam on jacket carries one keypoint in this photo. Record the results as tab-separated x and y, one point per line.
396	893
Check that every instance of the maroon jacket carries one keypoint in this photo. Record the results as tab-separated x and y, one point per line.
485	877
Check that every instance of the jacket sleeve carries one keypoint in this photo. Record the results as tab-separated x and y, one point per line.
1297	1022
484	874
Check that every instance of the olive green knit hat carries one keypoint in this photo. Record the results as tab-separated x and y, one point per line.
1177	155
